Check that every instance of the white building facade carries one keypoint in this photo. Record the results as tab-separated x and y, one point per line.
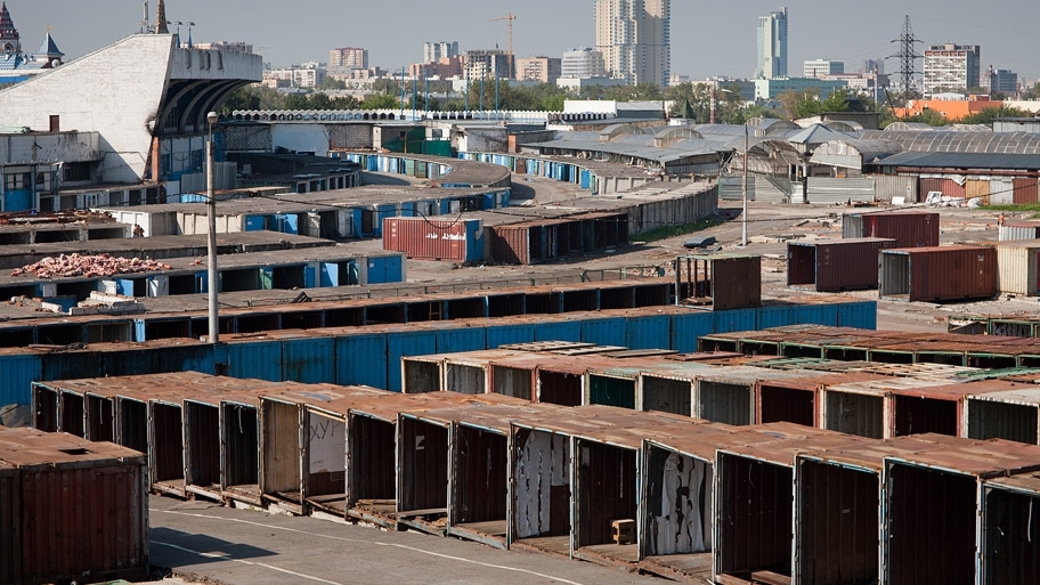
817	68
583	63
634	37
951	68
772	45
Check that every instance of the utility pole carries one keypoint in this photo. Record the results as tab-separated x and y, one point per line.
907	58
743	190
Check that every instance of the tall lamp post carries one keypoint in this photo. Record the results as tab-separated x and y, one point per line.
743	189
211	244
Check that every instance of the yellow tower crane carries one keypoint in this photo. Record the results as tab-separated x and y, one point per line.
512	63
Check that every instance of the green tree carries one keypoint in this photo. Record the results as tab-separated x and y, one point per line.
838	101
380	101
254	97
989	115
1032	93
930	117
298	101
331	83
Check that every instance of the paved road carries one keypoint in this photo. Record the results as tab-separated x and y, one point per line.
238	547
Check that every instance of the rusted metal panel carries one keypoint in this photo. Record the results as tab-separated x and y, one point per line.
835	265
1025	191
939	274
1011	415
10	523
424	238
53	525
1009	545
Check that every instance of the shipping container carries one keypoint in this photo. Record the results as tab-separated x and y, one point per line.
754	503
58	493
909	229
422	238
1010	551
835	265
423	459
1018	267
837	507
1011	415
941	488
723	281
1019	230
948	273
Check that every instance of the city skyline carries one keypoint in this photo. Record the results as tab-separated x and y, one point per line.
820	30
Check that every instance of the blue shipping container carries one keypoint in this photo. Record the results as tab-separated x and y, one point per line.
604	331
256	359
361	359
406	343
17	373
688	328
649	332
737	320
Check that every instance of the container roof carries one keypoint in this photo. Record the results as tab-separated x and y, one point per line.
963	160
931	140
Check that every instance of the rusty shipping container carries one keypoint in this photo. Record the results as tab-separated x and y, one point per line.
835	265
435	239
70	508
938	274
1026	190
909	230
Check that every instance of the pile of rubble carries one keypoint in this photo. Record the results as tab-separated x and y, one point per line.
89	266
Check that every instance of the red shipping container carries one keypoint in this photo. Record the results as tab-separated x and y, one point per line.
435	239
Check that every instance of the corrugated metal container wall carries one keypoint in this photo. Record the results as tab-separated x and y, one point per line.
604	331
1017	269
10	524
17	373
649	332
990	419
512	244
309	360
361	359
775	317
686	329
499	335
738	320
1026	190
1019	230
909	230
950	273
404	343
63	506
861	315
558	331
256	359
826	315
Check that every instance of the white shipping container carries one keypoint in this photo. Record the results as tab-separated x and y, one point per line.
1017	267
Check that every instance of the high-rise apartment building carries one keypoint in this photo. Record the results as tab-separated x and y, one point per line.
434	52
950	68
817	68
487	64
772	45
540	69
351	57
1003	80
634	37
583	63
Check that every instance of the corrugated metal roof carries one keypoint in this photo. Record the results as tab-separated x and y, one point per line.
962	160
947	141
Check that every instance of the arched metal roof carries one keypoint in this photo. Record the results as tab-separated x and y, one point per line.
971	142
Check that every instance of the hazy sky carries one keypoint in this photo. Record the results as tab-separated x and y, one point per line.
707	39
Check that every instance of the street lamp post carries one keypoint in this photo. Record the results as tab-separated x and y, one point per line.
211	244
743	190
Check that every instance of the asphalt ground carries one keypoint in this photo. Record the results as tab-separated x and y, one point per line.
208	543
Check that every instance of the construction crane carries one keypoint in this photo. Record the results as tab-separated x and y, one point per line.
509	17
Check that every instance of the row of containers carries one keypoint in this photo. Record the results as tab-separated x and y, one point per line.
264	273
669	495
522	242
870	399
565	172
445	172
70	508
329	219
991	191
994	396
930	274
372	355
1021	325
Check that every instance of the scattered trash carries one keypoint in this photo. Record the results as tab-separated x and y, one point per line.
90	266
